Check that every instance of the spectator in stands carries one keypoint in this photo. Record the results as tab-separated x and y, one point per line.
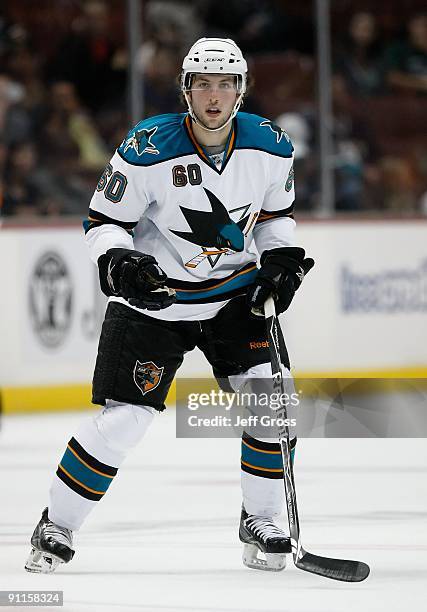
36	189
173	23
300	131
69	131
171	27
407	60
399	183
359	57
355	155
73	154
259	26
22	93
21	196
11	93
357	175
87	58
11	33
160	67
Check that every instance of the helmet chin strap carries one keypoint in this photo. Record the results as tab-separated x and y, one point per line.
199	122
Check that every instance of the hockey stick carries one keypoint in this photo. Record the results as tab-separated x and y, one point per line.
337	569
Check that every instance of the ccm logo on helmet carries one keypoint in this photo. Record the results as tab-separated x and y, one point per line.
215	59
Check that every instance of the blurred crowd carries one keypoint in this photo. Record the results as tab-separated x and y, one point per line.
63	94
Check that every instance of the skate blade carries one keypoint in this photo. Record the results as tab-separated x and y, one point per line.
255	559
40	562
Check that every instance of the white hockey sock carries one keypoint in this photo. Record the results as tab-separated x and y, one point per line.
262	477
261	463
92	459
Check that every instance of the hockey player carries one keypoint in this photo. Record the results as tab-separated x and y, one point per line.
173	227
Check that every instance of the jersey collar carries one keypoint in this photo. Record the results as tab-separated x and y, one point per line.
229	146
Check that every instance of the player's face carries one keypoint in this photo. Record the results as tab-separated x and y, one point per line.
213	98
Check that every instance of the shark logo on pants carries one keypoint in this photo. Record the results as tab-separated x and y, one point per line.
147	376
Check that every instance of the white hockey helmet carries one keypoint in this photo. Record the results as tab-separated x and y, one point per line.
214	56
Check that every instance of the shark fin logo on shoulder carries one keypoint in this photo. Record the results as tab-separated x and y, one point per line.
141	142
276	129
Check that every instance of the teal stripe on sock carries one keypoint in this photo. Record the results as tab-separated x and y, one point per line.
261	459
84	474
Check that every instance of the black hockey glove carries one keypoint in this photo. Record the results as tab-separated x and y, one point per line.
135	277
281	273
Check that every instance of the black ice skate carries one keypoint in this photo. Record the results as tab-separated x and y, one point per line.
261	535
51	545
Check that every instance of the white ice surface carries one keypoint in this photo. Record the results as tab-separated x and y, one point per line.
164	538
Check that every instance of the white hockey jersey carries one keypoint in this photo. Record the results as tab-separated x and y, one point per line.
161	194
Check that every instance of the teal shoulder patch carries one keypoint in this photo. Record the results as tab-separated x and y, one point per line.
155	140
255	132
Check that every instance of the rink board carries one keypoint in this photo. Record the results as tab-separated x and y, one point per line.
361	312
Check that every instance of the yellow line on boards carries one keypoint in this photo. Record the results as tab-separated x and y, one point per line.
61	398
51	398
411	372
47	398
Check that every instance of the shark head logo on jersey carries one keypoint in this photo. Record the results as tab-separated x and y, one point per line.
214	231
147	376
141	143
276	129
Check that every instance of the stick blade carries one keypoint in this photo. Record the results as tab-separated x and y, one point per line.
336	569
